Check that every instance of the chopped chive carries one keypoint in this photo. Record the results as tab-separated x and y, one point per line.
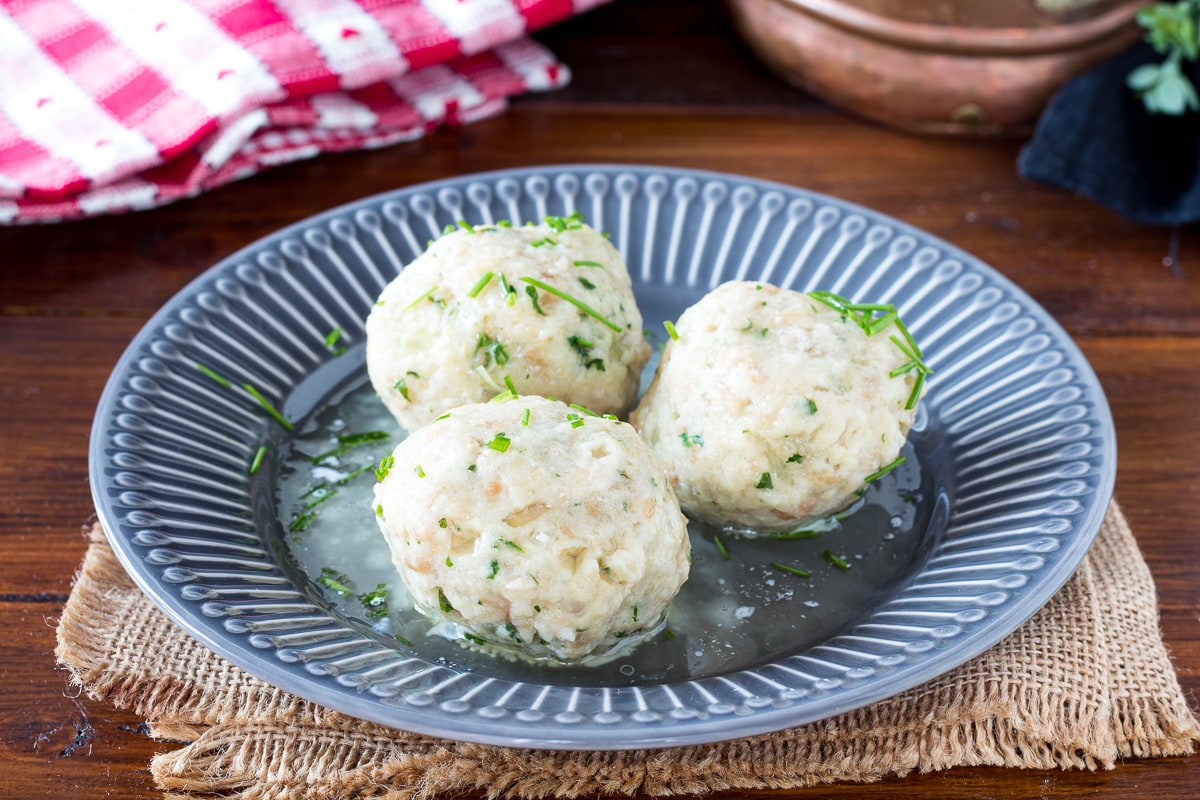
470	637
908	367
584	307
721	547
480	284
795	458
219	379
320	497
258	459
385	466
302	521
499	443
509	292
836	560
442	523
810	407
800	573
442	417
443	603
493	570
764	482
401	639
512	544
425	296
525	419
904	349
585	283
450	228
915	395
420	473
879	473
270	409
691	439
582	263
350	441
342	481
504	396
834	301
584	409
508	381
575	420
876	325
466	226
670	326
573	221
802	533
908	337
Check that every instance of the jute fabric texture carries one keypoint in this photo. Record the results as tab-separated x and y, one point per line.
1083	684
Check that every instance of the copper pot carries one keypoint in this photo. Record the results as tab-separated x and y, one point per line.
936	66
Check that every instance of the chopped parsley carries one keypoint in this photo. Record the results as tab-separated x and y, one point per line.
331	340
583	348
533	297
492	349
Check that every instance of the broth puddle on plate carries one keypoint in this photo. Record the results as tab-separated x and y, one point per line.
740	607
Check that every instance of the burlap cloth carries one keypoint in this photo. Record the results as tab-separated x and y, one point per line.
1083	684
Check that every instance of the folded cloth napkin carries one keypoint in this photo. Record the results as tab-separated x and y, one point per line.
113	105
1085	682
1096	138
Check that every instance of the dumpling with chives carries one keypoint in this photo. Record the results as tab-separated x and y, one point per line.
534	527
773	409
548	308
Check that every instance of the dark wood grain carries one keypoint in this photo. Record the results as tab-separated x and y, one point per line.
659	82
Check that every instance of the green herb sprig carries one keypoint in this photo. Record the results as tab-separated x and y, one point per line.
1173	30
865	315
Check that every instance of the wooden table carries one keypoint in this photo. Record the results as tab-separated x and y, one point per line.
660	82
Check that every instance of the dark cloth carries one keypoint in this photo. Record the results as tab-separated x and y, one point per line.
1096	138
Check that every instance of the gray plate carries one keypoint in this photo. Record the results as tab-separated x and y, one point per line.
1009	472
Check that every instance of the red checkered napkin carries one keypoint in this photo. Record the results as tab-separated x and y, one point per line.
114	105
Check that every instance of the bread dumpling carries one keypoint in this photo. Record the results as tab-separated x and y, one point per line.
534	526
773	409
549	308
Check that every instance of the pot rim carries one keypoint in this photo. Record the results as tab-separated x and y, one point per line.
963	39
